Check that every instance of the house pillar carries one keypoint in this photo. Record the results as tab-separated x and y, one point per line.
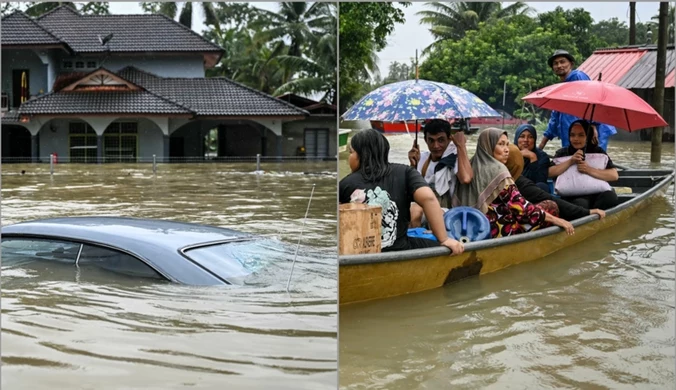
35	145
280	147
165	140
275	125
99	148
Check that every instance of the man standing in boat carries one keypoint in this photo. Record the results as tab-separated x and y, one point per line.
444	163
561	62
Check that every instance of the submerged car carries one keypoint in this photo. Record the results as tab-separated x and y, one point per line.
179	252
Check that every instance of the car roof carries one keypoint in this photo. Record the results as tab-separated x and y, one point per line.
154	240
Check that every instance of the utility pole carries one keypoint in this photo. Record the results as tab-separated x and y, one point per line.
416	64
632	22
658	103
504	97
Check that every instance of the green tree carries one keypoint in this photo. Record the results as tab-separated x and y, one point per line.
612	32
400	72
576	23
37	8
363	31
296	22
170	9
316	70
452	20
654	22
514	52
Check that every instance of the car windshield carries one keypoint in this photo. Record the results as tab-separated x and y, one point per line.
234	261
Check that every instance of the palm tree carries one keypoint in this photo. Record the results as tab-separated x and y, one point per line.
452	20
170	9
294	21
670	21
316	70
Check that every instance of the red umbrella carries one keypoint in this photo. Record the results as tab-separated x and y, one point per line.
598	101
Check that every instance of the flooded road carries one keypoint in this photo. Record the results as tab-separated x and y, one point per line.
59	331
596	316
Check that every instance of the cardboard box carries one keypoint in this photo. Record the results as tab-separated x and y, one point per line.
359	229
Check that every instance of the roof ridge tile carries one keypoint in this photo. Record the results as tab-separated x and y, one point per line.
66	6
192	32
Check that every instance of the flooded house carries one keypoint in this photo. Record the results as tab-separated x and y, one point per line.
125	88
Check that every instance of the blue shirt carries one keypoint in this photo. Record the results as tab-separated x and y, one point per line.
559	123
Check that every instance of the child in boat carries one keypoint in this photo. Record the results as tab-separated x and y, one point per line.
492	190
581	137
375	181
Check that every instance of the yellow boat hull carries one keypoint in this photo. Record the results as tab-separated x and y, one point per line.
372	277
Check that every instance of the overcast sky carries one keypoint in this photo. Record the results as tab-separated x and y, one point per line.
411	35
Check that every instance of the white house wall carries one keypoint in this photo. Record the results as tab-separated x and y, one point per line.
54	141
23	59
150	140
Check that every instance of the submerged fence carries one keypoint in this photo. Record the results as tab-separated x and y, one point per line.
259	164
160	160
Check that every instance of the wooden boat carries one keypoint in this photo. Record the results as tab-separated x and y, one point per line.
410	127
383	275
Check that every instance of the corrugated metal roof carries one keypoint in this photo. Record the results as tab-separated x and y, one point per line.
612	64
669	81
642	74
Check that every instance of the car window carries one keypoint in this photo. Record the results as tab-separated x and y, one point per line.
231	261
115	261
21	250
15	250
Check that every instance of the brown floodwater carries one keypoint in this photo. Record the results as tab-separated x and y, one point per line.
61	331
599	315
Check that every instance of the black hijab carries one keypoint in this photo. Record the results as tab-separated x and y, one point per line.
589	146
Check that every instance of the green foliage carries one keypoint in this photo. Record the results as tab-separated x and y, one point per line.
576	23
170	9
291	51
363	31
452	20
512	52
37	8
400	72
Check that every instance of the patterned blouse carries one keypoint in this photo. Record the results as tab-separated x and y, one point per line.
510	213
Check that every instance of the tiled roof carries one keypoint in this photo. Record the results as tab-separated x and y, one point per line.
108	102
131	33
212	96
630	67
195	96
19	29
10	117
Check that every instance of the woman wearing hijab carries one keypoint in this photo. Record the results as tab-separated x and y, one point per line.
492	190
375	181
581	136
542	198
536	161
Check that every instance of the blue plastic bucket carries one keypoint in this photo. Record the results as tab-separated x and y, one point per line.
467	224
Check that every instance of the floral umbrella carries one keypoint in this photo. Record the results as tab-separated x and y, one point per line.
418	99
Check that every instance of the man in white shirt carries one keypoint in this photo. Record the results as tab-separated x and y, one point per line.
445	162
